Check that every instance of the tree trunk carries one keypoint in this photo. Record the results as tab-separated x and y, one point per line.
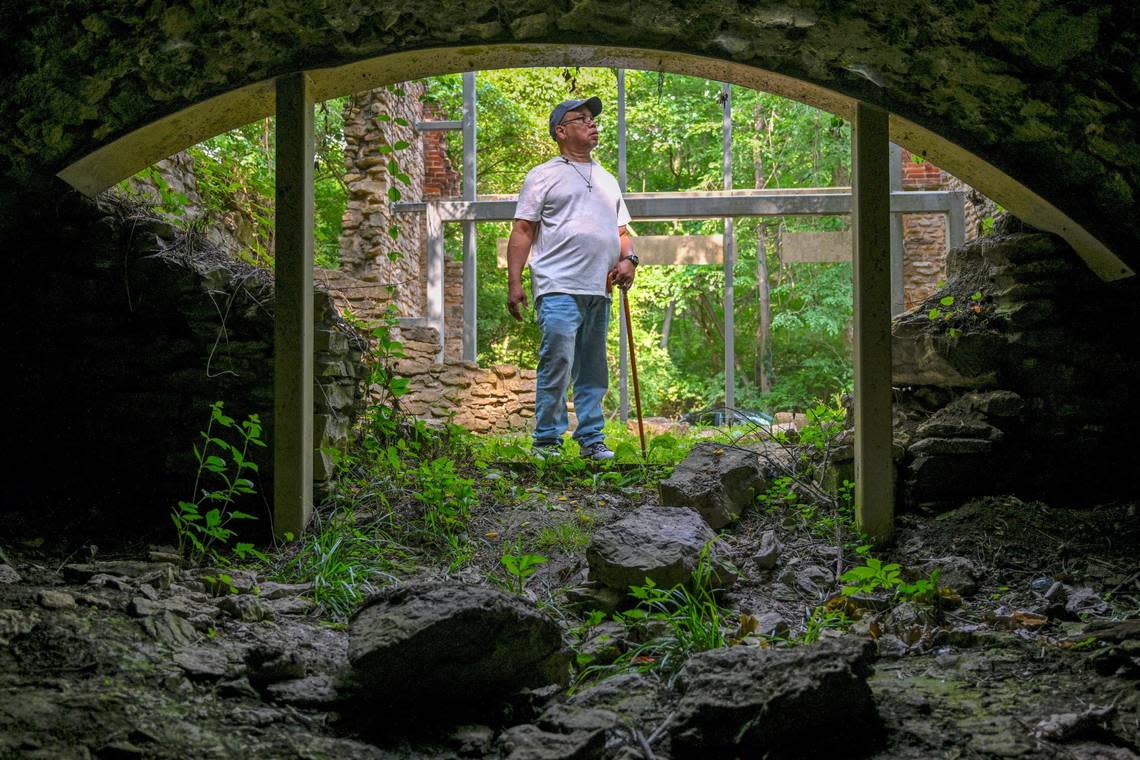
760	374
668	324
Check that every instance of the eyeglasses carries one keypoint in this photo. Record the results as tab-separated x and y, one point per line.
588	121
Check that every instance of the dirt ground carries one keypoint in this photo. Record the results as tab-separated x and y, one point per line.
1035	653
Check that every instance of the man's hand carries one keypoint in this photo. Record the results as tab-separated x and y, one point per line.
518	249
623	274
516	300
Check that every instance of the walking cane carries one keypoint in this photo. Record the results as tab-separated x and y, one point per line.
633	366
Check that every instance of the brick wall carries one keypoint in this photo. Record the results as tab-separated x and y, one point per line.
925	235
441	180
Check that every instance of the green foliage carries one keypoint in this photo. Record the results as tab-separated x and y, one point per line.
566	536
446	497
203	525
820	620
824	424
690	614
674	125
873	576
346	560
519	566
957	314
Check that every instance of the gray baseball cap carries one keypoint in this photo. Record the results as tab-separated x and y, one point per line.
556	116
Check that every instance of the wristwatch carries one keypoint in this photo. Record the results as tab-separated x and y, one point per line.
632	258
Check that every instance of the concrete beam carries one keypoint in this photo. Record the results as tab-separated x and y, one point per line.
438	126
874	476
669	250
703	205
293	322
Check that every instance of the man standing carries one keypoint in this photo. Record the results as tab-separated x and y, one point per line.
571	222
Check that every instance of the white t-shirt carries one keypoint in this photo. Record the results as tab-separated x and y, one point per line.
576	239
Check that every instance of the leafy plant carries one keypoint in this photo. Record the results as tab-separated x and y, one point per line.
203	524
871	576
923	590
520	566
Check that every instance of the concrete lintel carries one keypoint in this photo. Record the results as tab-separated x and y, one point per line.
293	305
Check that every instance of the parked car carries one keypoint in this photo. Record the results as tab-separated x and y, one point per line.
719	415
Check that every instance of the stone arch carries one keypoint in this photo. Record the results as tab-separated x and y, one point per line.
145	145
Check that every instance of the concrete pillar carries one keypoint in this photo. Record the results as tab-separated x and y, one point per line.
871	216
293	324
729	263
898	293
435	273
470	262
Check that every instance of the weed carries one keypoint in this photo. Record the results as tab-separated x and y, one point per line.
345	562
690	614
520	566
873	576
568	536
200	532
822	620
447	498
870	577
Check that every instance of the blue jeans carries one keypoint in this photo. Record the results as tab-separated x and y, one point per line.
573	350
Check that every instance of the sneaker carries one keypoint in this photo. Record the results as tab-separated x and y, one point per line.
599	451
544	453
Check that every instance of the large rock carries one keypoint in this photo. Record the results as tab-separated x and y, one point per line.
717	481
660	543
437	642
810	701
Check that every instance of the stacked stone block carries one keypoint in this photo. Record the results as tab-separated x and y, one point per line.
484	400
1034	388
376	123
169	326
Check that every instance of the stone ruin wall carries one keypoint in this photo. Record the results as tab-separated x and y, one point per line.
369	278
1035	389
159	324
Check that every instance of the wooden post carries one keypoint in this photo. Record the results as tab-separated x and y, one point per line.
871	214
293	324
623	177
